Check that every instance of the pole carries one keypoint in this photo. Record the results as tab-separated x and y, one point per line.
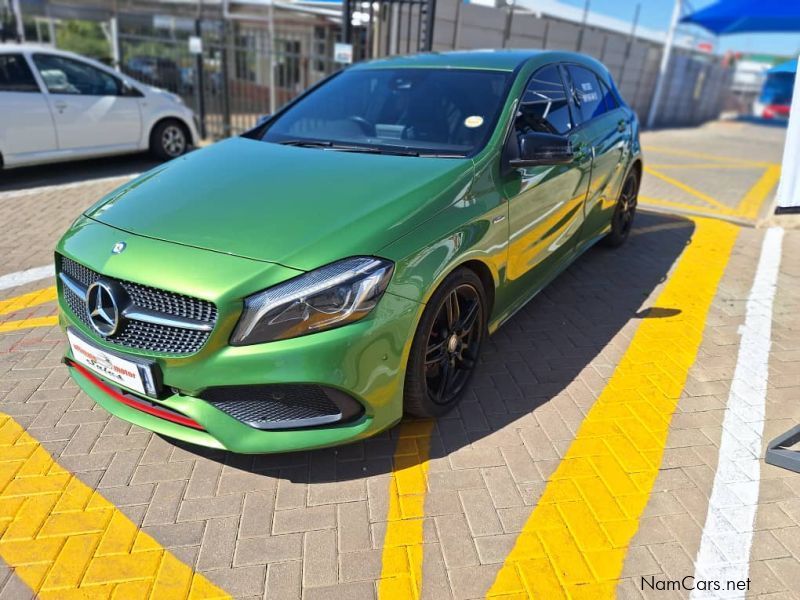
788	196
18	18
662	70
509	17
114	33
457	25
583	25
272	61
629	45
199	84
347	25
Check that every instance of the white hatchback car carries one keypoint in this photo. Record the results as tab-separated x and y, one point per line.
57	106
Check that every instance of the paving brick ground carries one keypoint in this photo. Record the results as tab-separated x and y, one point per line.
313	524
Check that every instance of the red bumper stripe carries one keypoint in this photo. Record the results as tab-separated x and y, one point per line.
151	410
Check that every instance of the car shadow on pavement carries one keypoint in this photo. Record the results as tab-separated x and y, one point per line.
560	335
75	172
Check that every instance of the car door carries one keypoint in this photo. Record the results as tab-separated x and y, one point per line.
89	106
604	129
26	126
545	202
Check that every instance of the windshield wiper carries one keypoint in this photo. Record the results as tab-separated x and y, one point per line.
307	143
375	150
348	147
393	150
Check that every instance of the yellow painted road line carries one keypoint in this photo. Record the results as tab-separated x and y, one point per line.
64	540
708	165
688	189
401	571
27	300
28	323
683	207
575	541
705	156
750	205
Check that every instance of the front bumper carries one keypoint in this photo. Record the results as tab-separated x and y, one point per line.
366	359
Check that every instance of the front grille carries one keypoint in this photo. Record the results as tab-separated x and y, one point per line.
279	406
152	337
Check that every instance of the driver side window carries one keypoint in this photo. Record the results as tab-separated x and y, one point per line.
63	75
543	107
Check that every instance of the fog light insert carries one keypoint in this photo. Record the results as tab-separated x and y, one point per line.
283	406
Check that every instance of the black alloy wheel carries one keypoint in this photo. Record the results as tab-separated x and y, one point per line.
446	346
624	212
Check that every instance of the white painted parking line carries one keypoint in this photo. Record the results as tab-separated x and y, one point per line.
64	186
22	277
724	554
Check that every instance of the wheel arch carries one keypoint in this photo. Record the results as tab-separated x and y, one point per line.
182	122
637	167
484	273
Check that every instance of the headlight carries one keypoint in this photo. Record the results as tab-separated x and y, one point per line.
331	296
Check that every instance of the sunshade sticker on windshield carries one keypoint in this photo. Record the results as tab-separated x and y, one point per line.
473	121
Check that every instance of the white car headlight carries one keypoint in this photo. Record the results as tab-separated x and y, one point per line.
328	297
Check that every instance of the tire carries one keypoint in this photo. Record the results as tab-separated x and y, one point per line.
624	212
169	139
446	339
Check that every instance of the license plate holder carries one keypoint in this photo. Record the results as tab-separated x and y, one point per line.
134	374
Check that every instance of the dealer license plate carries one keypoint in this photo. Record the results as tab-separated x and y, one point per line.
118	370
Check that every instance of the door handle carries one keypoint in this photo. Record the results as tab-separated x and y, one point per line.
60	106
622	125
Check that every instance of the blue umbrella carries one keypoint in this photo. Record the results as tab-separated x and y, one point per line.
742	16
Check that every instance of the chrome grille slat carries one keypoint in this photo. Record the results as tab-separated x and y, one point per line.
151	337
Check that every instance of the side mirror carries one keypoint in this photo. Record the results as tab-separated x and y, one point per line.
129	91
543	149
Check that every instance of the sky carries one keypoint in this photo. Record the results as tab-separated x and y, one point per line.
656	14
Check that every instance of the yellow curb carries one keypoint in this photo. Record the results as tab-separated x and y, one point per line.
401	570
64	540
575	541
750	205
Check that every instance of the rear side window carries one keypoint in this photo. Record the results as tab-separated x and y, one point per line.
15	75
63	75
587	93
608	96
544	107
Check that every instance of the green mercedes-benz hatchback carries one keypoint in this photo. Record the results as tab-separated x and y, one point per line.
308	282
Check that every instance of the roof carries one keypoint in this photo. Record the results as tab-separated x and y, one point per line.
500	60
13	47
497	60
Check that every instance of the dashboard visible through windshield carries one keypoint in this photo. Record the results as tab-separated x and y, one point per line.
415	111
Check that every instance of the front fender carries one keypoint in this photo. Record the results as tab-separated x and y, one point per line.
471	229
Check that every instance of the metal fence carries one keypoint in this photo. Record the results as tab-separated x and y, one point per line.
252	62
230	83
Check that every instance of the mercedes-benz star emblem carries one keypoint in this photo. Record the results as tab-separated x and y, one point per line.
118	247
102	309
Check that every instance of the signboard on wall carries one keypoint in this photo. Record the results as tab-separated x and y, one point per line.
343	53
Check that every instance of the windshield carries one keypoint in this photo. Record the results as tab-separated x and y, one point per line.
445	112
778	89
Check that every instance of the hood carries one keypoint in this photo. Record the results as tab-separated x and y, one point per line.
299	207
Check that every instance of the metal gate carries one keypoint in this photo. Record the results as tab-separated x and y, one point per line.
390	27
229	84
254	57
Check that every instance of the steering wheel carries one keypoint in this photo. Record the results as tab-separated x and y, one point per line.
367	128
